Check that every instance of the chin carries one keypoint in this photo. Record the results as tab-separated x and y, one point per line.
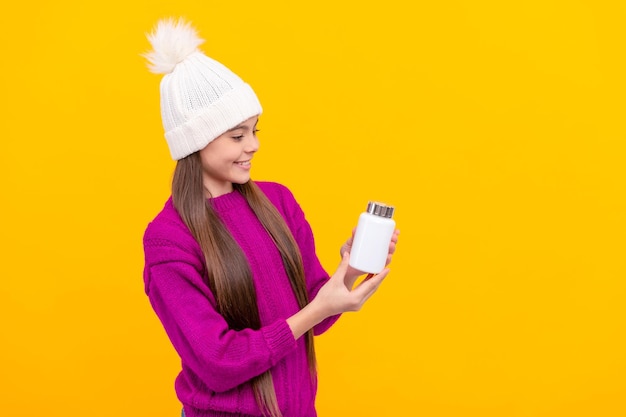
241	181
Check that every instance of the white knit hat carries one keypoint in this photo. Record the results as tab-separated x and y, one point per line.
200	98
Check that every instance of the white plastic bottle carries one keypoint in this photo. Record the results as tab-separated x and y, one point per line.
372	237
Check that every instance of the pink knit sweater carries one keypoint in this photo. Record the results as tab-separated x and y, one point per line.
217	362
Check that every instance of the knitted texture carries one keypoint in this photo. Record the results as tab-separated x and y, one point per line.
217	362
200	98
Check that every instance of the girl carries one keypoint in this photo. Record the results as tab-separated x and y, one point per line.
230	264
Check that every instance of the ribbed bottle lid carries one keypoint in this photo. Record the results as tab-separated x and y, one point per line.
380	209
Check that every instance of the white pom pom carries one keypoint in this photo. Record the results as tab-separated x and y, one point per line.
172	41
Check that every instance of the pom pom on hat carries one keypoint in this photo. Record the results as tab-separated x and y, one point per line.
200	98
172	41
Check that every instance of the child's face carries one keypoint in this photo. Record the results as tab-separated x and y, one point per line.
227	159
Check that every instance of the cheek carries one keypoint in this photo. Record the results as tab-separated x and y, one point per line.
206	162
218	155
215	165
210	163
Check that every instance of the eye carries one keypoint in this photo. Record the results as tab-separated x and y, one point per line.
238	137
255	131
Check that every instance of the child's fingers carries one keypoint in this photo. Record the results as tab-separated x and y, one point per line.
370	284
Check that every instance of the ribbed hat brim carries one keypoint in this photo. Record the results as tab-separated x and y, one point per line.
198	131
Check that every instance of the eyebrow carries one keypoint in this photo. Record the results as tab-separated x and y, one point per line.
243	126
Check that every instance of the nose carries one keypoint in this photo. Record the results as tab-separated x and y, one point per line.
252	144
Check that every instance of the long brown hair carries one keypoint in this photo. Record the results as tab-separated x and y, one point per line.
229	275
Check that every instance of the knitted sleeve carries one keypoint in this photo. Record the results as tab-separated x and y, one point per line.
293	214
221	358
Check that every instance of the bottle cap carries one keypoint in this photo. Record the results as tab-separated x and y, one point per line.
380	209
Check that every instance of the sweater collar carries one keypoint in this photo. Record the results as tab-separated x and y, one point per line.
227	202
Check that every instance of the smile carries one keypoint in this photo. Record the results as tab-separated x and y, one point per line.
243	163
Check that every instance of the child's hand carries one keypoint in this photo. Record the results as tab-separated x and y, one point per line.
338	295
347	247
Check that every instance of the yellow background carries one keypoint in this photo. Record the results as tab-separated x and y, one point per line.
496	128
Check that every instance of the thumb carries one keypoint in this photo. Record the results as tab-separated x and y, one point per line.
343	266
345	262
